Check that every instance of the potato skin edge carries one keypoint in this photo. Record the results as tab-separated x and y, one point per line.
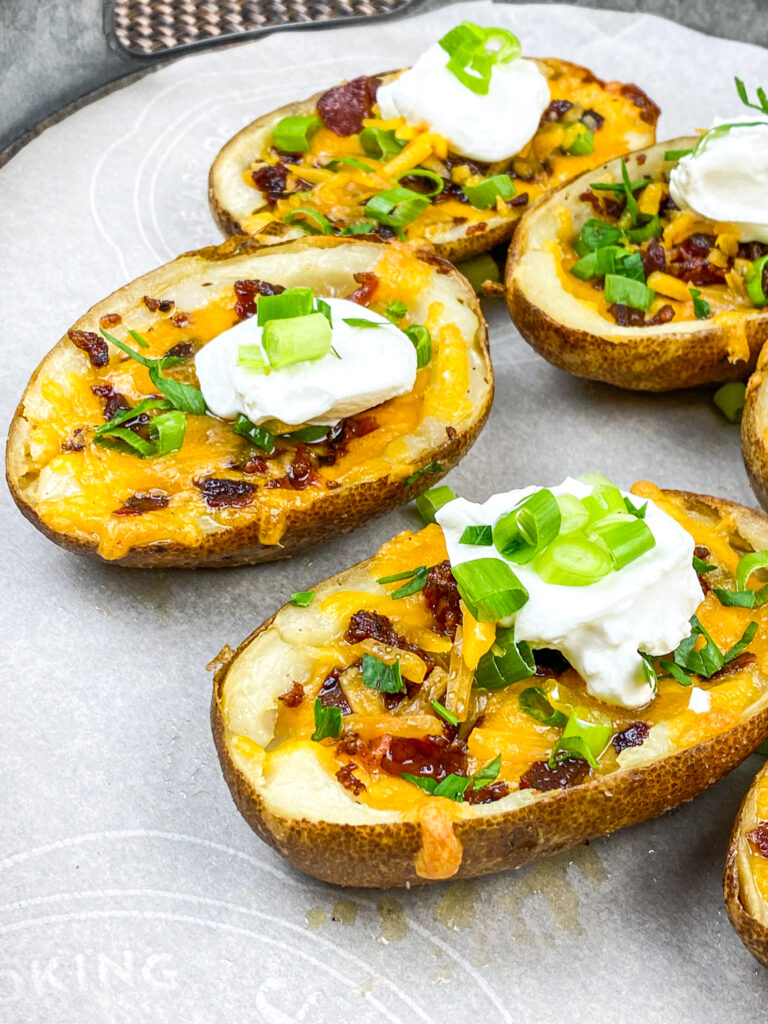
753	933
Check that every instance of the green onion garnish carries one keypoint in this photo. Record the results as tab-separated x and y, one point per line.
293	134
453	787
422	342
473	51
324	308
595	234
487	774
432	467
625	536
701	307
302	598
379	143
291	303
583	144
534	702
484	195
252	358
363	228
701	566
422	172
650	671
755	285
396	577
444	713
359	321
742	598
605	500
677	154
262	438
636	510
573	561
651	229
748	564
605	260
312	222
573	512
327	722
167	431
395	310
378	675
489	589
296	340
582	737
348	161
478	535
507	662
396	207
521	534
307	435
480	269
181	396
413	586
730	399
432	501
762	98
628	292
709	659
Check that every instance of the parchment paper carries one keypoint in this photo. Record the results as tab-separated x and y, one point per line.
131	888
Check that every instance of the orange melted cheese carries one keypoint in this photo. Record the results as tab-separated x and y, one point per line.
88	486
758	864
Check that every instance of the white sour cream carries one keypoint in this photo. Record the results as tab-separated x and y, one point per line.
487	128
727	178
646	606
375	364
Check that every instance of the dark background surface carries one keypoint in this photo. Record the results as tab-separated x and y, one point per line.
53	52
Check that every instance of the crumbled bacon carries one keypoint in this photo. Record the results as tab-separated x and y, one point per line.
450	191
442	597
94	347
633	736
565	774
654	257
487	794
691	263
364	625
114	402
142	501
626	316
758	837
350	744
184	350
335	445
428	757
476	229
741	661
181	319
594	121
110	320
75	442
664	315
271	179
521	199
450	433
348	779
640	159
594	200
332	695
752	250
368	283
649	112
158	305
246	292
293	697
344	107
301	472
556	109
225	493
550	663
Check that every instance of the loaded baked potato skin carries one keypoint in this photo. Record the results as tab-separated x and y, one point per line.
348	843
566	321
55	419
754	430
746	870
451	226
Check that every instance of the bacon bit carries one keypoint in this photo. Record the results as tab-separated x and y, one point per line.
664	315
633	736
301	472
550	663
442	597
332	695
181	319
346	777
143	501
519	200
476	229
488	794
654	257
449	191
566	774
595	122
649	112
246	292
752	250
626	316
76	442
255	464
364	625
741	661
451	432
368	285
114	402
224	493
338	440
441	265
183	350
344	107
556	109
691	263
271	180
333	485
110	320
293	697
641	158
350	744
441	851
701	551
95	347
758	837
428	757
155	305
592	199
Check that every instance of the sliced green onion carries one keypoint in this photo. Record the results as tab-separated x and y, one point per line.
742	598
748	564
573	561
444	713
701	308
755	285
650	671
502	44
431	501
297	340
453	787
379	143
595	234
676	154
598	263
627	292
631	266
704	662
126	441
507	661
413	586
702	567
583	737
762	97
597	480
324	308
422	172
573	513
302	598
395	310
307	435
396	577
534	702
167	431
487	774
348	161
625	536
359	321
651	229
262	438
291	303
145	405
572	747
605	500
365	227
620	186
478	535
396	207
583	144
521	534
293	134
741	645
312	222
473	51
484	195
422	342
432	467
252	358
489	589
636	510
181	396
327	722
480	269
730	399
378	675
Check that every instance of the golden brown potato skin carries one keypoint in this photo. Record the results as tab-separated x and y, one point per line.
752	932
454	245
333	512
661	358
382	856
754	431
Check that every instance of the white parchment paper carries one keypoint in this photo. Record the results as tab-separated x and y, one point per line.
131	889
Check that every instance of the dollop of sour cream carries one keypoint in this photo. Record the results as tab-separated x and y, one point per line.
726	179
646	606
373	364
490	127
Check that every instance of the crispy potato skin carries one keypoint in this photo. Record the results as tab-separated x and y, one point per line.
661	358
456	247
752	932
333	512
754	431
382	855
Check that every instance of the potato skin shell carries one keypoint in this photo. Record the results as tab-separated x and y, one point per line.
382	856
754	431
334	512
646	360
753	933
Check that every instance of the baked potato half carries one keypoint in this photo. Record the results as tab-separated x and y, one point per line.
754	429
257	189
219	499
343	810
699	325
745	883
